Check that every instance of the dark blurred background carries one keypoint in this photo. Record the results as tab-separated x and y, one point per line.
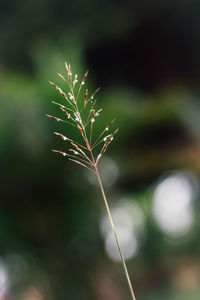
55	240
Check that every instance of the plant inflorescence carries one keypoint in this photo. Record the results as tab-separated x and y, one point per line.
81	113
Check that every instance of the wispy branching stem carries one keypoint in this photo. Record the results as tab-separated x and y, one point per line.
83	154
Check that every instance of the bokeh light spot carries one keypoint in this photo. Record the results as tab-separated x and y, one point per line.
4	281
129	222
172	203
108	170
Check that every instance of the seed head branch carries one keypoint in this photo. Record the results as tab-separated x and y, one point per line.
80	113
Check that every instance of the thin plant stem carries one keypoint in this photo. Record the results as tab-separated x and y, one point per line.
116	237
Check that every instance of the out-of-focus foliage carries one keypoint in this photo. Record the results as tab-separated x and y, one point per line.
54	238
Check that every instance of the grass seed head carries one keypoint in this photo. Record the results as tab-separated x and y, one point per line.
84	113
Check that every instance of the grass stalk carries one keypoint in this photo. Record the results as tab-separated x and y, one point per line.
116	237
81	153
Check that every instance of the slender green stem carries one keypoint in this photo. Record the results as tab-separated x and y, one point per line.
116	237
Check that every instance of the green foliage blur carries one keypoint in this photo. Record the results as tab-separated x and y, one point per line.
54	241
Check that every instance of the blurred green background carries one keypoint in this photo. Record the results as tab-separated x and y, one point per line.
55	242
